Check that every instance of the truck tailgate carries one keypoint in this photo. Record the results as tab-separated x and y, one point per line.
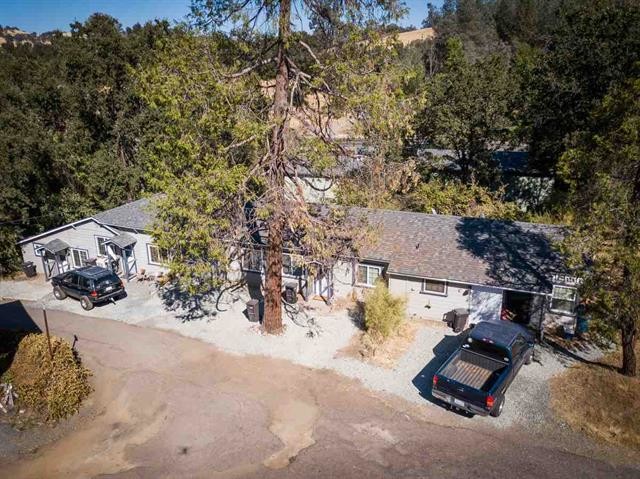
473	370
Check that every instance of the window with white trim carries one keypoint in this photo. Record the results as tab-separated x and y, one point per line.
253	260
432	286
563	299
79	257
155	255
38	249
291	264
101	246
368	274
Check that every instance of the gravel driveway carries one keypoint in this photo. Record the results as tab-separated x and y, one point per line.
166	406
230	331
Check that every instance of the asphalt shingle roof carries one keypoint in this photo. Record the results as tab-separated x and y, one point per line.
506	254
123	240
55	246
137	215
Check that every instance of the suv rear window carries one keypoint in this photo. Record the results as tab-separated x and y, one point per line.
107	280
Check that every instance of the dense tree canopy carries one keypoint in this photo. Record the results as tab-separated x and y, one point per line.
71	126
603	170
220	116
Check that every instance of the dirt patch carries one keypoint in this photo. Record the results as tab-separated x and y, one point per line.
600	402
292	423
385	354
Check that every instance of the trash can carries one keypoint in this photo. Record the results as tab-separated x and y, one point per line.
291	293
29	269
460	320
253	310
582	325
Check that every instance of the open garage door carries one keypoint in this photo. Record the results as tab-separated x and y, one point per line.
485	304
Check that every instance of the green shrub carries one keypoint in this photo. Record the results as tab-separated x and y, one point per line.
55	387
383	312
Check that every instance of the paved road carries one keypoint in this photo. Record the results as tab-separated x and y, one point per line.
169	406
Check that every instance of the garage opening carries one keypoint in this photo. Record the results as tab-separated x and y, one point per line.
517	306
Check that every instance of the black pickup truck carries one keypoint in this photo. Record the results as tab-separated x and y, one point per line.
475	378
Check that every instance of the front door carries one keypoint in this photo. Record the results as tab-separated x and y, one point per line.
322	285
130	267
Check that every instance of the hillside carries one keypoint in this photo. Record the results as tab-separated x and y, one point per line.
16	36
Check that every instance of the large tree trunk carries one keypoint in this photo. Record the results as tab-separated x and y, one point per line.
276	175
629	336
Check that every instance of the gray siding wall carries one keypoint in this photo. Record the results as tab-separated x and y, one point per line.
315	190
81	236
140	251
427	305
343	279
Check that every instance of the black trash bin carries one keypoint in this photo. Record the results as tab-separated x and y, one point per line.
29	269
460	320
291	293
253	310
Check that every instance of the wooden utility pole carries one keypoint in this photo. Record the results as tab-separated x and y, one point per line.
46	328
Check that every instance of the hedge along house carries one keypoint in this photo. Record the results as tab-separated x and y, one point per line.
118	238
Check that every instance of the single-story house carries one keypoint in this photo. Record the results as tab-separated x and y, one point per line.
439	263
118	238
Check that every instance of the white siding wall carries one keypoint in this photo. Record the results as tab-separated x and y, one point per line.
427	305
81	236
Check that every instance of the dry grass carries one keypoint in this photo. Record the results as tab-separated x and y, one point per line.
382	353
600	402
54	387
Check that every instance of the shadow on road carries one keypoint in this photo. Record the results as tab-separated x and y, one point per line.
15	323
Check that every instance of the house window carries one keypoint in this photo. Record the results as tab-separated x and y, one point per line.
291	264
155	255
101	245
432	286
563	299
367	274
79	257
253	260
37	249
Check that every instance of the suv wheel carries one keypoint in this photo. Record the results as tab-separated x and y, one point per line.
86	303
58	293
497	410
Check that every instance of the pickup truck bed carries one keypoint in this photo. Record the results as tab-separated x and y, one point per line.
473	370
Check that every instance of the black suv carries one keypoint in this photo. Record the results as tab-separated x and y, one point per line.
89	284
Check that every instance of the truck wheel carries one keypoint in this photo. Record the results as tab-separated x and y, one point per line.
529	358
497	410
58	293
86	304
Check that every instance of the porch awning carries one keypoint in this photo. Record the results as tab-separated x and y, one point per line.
55	246
122	240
